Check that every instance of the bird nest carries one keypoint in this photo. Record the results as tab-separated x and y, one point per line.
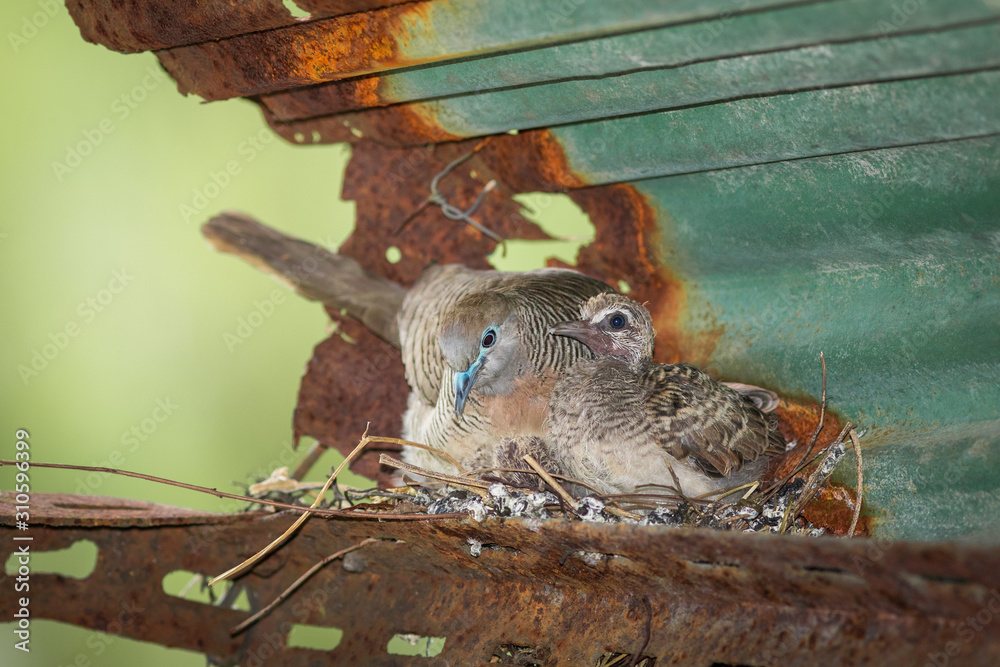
774	507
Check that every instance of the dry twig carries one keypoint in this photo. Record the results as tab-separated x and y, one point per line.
816	478
647	634
473	485
804	461
557	487
564	478
296	584
231	496
278	541
861	483
822	411
309	460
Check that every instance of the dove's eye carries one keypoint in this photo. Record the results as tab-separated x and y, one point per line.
617	321
489	338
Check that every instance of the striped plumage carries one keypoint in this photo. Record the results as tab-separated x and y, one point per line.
441	323
508	402
622	420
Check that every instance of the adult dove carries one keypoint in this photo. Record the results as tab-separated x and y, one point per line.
479	359
474	344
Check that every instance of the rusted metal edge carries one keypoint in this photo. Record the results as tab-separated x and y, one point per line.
477	94
575	589
147	25
66	509
299	55
410	35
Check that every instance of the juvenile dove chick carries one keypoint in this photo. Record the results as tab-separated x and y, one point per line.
623	420
507	462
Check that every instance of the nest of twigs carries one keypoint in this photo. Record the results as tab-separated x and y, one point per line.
774	508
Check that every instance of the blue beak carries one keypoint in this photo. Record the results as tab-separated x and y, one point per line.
463	384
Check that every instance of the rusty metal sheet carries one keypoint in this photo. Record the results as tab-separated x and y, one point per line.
348	385
410	35
146	25
712	137
299	55
575	590
708	82
789	27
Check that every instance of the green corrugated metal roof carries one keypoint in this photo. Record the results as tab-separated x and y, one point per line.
826	176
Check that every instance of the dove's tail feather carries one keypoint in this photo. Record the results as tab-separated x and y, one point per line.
314	272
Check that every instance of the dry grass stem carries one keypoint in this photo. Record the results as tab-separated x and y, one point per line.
296	584
818	477
861	483
564	478
570	500
473	485
215	492
278	541
677	483
822	410
441	454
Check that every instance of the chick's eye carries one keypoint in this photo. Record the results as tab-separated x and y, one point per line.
489	338
617	321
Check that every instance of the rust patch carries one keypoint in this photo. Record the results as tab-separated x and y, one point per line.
146	25
833	506
318	8
325	99
299	55
531	161
797	420
347	386
714	597
393	127
831	509
388	185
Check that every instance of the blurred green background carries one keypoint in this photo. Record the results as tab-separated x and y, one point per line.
105	244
